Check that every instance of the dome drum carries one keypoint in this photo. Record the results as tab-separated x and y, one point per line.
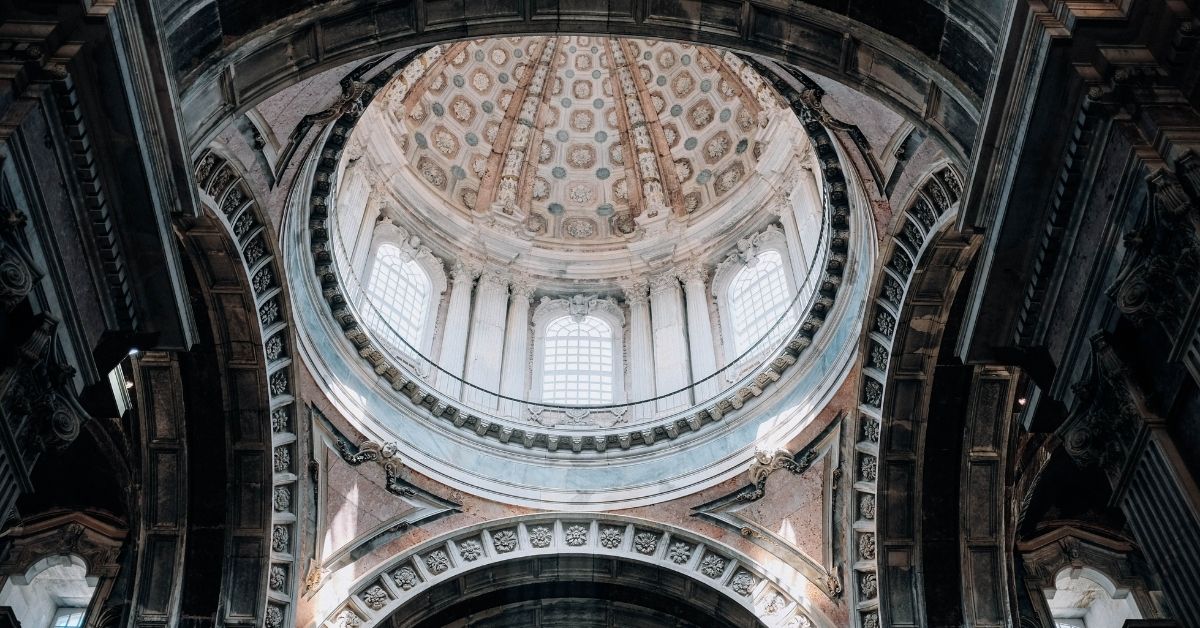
714	313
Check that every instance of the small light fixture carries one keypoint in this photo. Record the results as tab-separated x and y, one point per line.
134	351
128	384
1021	401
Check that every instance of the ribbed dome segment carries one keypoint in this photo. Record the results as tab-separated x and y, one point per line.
583	138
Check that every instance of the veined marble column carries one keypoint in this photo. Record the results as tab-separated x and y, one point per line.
487	338
699	328
516	348
458	320
641	348
670	340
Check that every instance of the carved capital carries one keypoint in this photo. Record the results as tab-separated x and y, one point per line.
465	270
693	272
664	282
636	291
1111	409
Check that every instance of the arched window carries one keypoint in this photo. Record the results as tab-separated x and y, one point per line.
758	297
398	291
579	361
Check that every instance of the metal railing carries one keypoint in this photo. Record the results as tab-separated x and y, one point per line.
490	402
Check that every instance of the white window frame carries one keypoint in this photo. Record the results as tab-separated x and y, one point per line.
388	233
65	612
607	310
770	239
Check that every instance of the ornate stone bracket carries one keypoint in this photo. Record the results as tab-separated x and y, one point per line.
18	272
1107	421
767	463
734	511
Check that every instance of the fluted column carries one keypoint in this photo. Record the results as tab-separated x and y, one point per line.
516	348
670	339
699	328
454	332
487	338
641	348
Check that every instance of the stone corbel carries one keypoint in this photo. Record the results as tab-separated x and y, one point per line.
766	463
18	272
1104	428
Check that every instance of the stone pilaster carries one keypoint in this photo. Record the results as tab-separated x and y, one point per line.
671	362
516	347
487	338
1114	428
641	347
699	329
458	320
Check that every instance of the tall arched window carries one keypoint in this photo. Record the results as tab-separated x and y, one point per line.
758	297
399	291
579	365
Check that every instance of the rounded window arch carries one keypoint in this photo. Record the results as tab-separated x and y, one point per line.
401	292
758	296
578	351
755	289
1086	598
578	361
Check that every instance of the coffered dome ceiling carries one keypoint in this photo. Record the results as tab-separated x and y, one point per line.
579	144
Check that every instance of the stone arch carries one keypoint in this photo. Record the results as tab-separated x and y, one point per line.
924	261
1104	558
886	67
232	246
757	590
91	540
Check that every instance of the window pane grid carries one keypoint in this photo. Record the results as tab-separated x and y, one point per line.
758	297
578	365
399	291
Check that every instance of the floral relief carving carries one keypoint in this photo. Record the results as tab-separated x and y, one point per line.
437	561
868	585
405	578
576	535
610	537
866	546
280	539
282	459
645	542
375	598
743	582
866	506
273	618
540	537
679	552
282	498
277	581
712	566
347	619
470	550
504	541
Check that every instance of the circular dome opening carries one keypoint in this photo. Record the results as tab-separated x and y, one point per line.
582	245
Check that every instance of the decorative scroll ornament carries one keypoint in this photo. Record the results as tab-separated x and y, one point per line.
766	463
1111	409
17	270
367	450
1162	268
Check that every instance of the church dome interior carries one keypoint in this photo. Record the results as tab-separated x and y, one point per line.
435	314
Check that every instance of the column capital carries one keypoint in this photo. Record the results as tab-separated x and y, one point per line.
495	275
465	270
521	287
635	291
664	281
693	272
